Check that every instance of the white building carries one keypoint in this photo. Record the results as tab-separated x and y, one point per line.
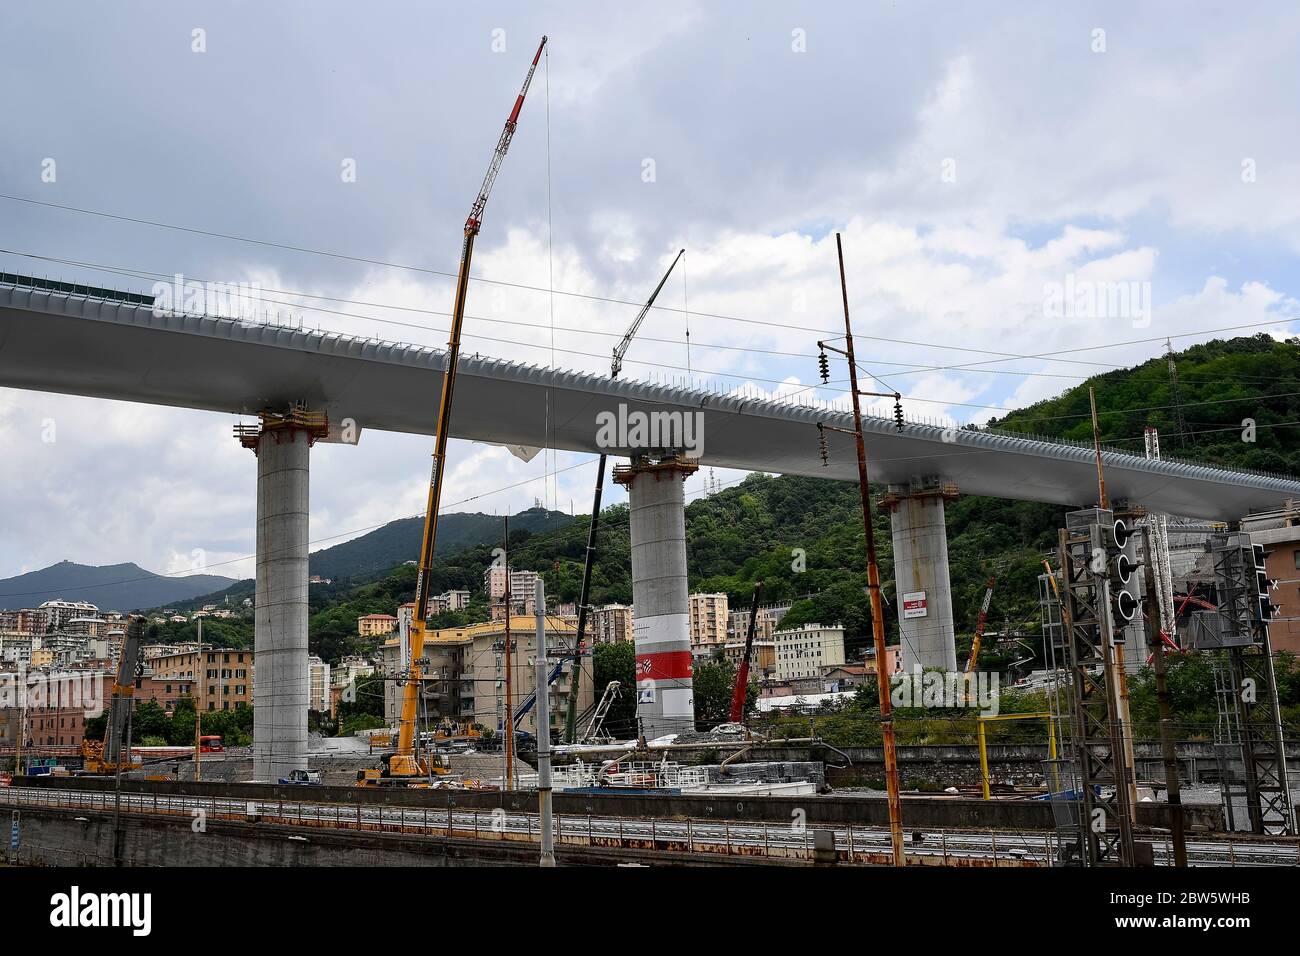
17	649
455	600
522	585
318	685
803	652
59	613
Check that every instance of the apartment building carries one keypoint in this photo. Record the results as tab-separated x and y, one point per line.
708	616
804	652
223	676
610	624
376	625
318	685
1278	533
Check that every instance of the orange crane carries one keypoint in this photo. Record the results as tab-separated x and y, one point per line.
405	765
979	623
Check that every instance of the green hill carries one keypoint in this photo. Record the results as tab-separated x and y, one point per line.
1220	385
399	541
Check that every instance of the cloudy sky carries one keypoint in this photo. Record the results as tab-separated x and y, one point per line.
980	161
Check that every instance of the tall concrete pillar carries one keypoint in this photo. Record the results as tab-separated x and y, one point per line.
661	614
921	573
280	679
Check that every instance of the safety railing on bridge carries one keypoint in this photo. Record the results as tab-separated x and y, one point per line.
795	843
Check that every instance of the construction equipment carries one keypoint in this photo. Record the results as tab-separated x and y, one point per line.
979	623
406	764
742	672
602	710
571	718
111	754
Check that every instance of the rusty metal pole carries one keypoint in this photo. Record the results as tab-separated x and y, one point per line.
873	586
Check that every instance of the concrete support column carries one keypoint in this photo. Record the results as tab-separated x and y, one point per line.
661	613
280	675
921	572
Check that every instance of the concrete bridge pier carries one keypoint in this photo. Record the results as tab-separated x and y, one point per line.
661	621
282	443
921	571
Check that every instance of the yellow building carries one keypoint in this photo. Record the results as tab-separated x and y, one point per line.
375	625
224	676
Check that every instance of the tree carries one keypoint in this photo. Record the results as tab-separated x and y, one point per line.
617	661
714	682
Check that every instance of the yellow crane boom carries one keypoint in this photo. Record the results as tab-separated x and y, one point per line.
405	762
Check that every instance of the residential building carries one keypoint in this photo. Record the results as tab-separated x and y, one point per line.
349	669
482	671
465	680
55	708
708	615
224	676
523	586
802	652
456	600
318	684
762	657
610	624
376	625
738	625
16	648
1278	533
58	613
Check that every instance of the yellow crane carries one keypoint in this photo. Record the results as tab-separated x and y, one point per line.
406	766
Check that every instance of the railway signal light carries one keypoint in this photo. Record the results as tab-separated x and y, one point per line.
1122	553
1267	609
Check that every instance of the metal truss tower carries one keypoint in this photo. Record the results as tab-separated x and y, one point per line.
1087	543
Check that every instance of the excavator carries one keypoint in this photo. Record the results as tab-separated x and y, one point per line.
113	753
408	766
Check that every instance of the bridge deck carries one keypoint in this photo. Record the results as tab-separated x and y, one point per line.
81	343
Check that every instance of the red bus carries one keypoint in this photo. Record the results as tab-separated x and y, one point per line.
211	744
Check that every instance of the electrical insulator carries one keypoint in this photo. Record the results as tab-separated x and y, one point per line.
898	412
824	365
821	442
